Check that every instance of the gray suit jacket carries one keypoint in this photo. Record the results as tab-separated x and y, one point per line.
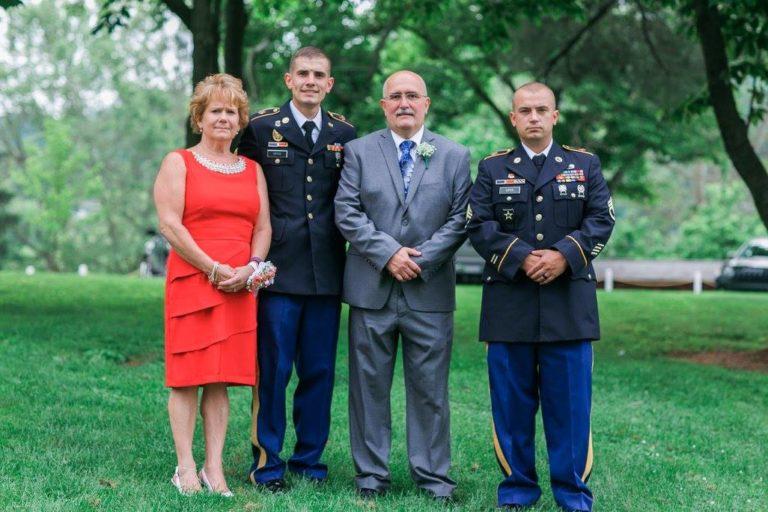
377	220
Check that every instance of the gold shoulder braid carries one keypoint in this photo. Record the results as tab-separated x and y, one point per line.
580	150
339	117
499	153
265	112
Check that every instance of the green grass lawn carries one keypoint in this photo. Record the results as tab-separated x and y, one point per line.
83	422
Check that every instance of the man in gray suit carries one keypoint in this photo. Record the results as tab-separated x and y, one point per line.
401	203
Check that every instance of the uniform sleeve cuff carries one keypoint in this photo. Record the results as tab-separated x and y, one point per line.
513	256
573	252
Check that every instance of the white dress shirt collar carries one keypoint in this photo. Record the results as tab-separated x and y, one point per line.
301	119
416	137
531	153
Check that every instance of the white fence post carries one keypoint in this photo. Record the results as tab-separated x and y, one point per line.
608	280
697	282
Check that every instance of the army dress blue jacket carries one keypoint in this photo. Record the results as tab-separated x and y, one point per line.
514	209
306	248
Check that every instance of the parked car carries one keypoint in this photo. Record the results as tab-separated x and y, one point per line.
469	264
747	269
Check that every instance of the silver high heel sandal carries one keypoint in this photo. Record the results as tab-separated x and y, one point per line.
176	482
207	484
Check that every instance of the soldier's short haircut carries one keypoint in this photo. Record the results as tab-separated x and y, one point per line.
308	52
537	86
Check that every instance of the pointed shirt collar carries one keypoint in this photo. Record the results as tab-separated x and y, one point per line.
301	119
416	138
531	153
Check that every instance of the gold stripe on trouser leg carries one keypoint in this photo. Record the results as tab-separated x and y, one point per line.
254	428
588	464
500	454
496	445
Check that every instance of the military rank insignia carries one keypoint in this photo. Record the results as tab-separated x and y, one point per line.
571	175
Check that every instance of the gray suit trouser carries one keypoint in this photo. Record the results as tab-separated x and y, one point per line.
427	339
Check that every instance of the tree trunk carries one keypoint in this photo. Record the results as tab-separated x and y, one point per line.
204	25
733	129
236	21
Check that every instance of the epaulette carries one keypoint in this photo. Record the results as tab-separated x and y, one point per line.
339	117
265	112
499	153
580	150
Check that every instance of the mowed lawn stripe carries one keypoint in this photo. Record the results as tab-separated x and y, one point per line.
83	423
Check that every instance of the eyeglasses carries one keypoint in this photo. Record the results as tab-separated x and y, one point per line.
410	97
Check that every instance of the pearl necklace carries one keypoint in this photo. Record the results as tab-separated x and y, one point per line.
215	166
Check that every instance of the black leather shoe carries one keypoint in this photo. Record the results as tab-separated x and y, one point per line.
370	494
275	486
444	500
516	508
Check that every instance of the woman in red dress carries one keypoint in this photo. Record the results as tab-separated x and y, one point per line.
212	207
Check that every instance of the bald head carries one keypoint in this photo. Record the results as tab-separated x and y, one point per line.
535	88
534	114
405	102
397	76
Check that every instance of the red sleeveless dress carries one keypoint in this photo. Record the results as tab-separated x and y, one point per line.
210	335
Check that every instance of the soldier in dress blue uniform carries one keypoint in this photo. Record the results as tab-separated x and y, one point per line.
300	148
538	215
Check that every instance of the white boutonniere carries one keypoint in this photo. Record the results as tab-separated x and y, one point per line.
425	150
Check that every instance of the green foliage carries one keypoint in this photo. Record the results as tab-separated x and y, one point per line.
7	222
744	26
717	225
53	182
82	398
121	101
693	213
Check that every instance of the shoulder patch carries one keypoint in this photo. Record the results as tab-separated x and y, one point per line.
499	153
580	150
265	112
339	117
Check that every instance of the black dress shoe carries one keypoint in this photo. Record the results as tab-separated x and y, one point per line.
444	500
370	494
516	508
275	486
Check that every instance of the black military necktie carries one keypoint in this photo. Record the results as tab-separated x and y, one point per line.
538	161
309	126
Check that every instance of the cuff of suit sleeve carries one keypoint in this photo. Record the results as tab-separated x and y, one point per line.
380	261
573	252
512	257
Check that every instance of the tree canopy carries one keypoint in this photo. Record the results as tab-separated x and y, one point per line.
642	83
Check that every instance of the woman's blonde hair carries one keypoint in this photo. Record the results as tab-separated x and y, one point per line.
219	86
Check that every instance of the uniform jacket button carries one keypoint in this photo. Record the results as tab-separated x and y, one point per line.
539	237
309	179
310	161
309	197
539	199
310	216
538	216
